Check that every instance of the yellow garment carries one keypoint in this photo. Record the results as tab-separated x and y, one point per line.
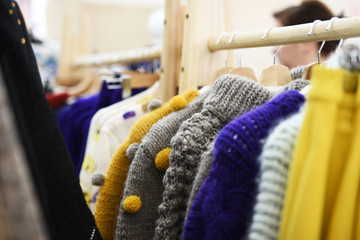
345	218
110	194
319	158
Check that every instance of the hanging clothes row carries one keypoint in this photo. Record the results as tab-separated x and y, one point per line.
232	160
142	177
219	163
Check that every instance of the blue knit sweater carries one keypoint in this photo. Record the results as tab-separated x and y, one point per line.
223	207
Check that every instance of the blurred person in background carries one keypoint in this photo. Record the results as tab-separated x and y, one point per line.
295	55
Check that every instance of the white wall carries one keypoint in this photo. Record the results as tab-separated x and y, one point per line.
123	24
115	24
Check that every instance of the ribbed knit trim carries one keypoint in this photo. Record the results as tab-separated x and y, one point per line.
202	173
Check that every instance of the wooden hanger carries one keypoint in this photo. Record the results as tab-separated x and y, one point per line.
223	70
245	72
275	75
220	72
307	71
90	84
241	71
139	79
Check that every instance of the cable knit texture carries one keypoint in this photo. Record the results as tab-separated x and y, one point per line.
297	72
202	173
230	96
145	179
297	84
110	195
274	160
223	207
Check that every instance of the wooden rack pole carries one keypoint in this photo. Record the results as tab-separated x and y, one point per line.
130	56
172	45
20	214
204	18
73	44
341	28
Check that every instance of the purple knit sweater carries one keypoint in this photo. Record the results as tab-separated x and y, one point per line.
223	207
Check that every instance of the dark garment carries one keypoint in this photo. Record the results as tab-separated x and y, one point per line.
66	213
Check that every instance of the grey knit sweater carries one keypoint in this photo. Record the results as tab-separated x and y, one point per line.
230	96
275	160
202	173
145	179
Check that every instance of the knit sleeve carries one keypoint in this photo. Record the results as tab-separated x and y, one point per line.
275	160
223	207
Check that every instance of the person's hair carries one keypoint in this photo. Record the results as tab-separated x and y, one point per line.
307	12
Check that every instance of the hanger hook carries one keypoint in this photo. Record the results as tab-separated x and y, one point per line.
277	53
340	44
227	58
232	36
312	27
221	36
319	52
266	32
331	22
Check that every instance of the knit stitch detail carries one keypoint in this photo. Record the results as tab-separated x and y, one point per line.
154	104
223	207
145	180
275	161
97	179
202	173
231	95
297	72
132	149
132	204
297	85
110	193
162	159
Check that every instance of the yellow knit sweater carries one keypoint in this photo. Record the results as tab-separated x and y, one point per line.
110	194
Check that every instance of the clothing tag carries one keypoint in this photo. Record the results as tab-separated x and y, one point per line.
128	115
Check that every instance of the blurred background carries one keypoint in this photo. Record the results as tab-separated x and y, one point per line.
116	25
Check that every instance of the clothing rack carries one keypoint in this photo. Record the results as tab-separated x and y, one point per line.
203	19
170	52
339	28
202	55
129	56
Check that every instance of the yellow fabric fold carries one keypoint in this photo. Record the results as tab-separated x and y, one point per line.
319	158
